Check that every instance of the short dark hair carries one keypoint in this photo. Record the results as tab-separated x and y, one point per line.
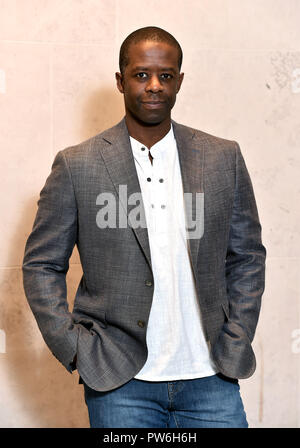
150	33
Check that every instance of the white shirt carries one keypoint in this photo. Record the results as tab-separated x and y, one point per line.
177	348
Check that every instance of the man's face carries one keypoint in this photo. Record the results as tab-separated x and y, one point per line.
150	82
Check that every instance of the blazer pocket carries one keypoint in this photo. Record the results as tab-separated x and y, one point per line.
225	307
88	316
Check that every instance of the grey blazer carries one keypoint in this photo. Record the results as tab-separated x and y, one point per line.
107	326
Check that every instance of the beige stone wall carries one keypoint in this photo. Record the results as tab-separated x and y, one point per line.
57	88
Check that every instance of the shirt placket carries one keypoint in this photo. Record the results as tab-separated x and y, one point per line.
148	192
160	200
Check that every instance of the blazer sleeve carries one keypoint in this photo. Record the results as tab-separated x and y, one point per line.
245	260
46	262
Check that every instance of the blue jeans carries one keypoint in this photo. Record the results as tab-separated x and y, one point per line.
209	402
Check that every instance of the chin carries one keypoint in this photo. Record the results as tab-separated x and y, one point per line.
151	120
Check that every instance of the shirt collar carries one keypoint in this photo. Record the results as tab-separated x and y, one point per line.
157	150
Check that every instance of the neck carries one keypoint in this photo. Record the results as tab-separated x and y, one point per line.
148	135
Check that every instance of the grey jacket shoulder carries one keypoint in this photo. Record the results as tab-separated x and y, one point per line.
104	138
205	137
216	149
84	148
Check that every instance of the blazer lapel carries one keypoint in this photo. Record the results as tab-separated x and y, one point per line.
119	161
191	159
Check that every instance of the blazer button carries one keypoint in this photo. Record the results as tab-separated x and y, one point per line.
141	323
148	283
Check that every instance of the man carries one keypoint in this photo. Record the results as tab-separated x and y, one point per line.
168	303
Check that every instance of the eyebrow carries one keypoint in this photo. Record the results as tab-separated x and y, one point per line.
165	69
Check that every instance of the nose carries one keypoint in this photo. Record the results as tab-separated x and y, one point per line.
154	85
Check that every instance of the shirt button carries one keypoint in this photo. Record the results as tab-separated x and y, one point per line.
142	148
141	323
163	206
148	283
161	181
149	179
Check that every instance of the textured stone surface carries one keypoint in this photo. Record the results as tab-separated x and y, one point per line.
57	88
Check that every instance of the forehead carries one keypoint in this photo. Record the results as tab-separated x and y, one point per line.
152	53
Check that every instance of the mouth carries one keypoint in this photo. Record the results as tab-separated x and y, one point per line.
153	104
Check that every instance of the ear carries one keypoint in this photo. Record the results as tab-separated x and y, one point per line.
181	76
119	79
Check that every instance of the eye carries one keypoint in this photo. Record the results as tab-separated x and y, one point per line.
166	76
141	75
